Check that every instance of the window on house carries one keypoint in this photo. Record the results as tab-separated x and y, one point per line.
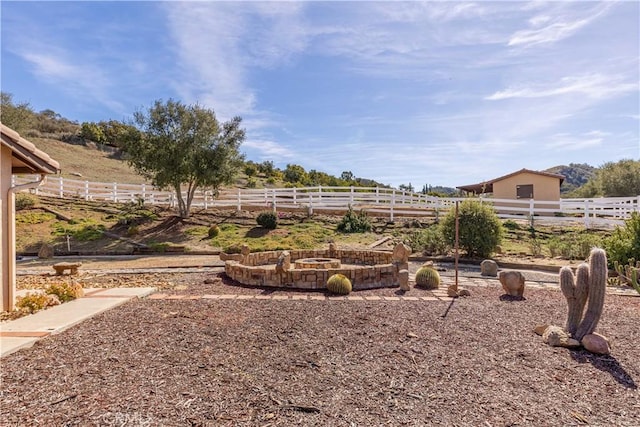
524	191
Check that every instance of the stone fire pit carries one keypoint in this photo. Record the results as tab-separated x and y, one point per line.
310	269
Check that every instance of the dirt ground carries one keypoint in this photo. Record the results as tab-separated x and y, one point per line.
471	362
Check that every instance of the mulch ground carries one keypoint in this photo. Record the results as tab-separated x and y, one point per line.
471	362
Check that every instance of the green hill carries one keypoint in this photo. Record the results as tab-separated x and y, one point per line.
575	175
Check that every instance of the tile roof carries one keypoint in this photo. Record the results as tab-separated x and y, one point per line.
26	157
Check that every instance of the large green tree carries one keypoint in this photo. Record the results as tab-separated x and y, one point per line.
185	148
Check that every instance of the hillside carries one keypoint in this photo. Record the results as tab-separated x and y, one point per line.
575	175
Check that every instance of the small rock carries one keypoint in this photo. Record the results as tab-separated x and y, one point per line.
411	335
76	174
452	291
428	264
512	282
489	268
596	343
539	329
555	336
464	293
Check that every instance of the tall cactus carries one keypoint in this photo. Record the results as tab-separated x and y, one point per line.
575	290
597	275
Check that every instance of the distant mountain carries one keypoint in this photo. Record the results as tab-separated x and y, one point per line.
575	175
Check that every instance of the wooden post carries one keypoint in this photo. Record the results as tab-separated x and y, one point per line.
239	205
61	187
115	191
86	190
457	245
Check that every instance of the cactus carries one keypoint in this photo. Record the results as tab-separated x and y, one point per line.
339	284
597	284
575	290
214	230
427	277
629	273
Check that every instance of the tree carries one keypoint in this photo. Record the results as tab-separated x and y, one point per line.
295	173
480	229
620	179
19	117
184	147
347	176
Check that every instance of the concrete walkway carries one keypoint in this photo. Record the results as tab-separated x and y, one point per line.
25	331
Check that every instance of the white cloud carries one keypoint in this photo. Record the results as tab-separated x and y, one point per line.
269	149
566	142
563	25
593	86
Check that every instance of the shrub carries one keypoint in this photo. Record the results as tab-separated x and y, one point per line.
268	220
214	230
65	291
339	284
25	201
574	246
511	225
353	222
427	277
480	228
429	241
133	230
624	243
32	302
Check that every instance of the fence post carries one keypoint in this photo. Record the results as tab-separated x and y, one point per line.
294	196
239	205
320	193
393	202
377	195
638	205
61	188
144	193
351	197
586	213
273	200
115	191
531	209
86	190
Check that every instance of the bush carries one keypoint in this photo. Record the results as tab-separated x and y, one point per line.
353	222
268	220
480	228
25	201
32	302
133	230
511	225
624	243
214	230
65	292
429	241
574	246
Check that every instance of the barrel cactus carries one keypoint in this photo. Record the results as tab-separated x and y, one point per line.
427	277
339	284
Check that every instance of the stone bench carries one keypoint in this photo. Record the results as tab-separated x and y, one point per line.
62	266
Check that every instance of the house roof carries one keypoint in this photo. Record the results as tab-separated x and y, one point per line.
487	186
26	158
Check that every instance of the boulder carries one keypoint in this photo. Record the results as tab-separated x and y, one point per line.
489	268
539	329
555	336
401	253
512	282
596	343
403	278
45	251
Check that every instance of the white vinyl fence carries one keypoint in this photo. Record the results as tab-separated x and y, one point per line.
382	202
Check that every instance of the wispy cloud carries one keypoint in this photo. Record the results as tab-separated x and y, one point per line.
592	85
550	30
567	142
268	149
218	43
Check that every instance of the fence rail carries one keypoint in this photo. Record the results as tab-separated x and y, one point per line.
384	202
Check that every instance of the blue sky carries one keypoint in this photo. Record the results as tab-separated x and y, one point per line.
439	93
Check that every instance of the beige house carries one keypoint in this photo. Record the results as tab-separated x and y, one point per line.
523	184
17	156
